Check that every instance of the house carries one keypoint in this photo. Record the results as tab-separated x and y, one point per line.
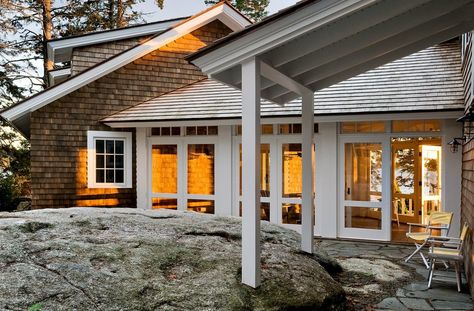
133	123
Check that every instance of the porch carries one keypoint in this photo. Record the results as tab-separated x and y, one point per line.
398	293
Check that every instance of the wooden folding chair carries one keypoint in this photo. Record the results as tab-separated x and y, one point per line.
451	250
437	221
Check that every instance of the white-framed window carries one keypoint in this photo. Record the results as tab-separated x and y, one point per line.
109	162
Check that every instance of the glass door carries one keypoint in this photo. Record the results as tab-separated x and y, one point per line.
364	213
405	190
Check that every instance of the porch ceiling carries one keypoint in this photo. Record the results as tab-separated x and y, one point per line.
320	43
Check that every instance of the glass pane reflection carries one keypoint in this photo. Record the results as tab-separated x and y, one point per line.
164	161
291	171
363	172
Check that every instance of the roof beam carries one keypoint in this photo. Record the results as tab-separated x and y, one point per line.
375	62
281	79
353	23
396	25
382	47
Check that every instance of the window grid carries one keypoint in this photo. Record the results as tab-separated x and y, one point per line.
110	161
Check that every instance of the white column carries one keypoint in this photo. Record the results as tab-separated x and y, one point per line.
223	167
451	172
142	169
251	172
326	180
307	214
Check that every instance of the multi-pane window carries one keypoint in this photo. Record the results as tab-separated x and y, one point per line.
166	131
109	159
201	130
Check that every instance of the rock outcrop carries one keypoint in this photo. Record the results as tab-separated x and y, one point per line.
127	259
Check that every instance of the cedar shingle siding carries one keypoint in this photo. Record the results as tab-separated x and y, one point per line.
59	130
88	56
467	210
467	196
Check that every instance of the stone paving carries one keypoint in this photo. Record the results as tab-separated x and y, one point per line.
412	296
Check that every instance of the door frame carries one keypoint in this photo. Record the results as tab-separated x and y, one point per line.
358	233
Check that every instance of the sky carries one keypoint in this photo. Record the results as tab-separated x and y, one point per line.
181	8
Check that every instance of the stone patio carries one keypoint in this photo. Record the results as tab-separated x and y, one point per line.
411	295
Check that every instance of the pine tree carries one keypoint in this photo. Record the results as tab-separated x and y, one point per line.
253	9
25	27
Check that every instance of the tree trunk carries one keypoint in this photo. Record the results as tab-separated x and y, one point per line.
47	35
111	13
120	21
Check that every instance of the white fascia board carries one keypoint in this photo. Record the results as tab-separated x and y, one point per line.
65	46
273	35
414	115
82	79
58	74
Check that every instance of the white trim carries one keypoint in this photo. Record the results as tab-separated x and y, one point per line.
76	82
91	165
60	50
60	74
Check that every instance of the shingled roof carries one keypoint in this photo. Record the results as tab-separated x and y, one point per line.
429	80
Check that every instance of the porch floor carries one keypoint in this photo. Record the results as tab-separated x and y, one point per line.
409	293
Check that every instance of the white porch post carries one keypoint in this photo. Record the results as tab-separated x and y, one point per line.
307	214
142	169
251	172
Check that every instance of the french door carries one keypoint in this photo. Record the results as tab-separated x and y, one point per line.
182	173
364	187
416	178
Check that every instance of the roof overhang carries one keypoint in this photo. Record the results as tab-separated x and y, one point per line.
221	11
317	43
321	118
59	75
60	50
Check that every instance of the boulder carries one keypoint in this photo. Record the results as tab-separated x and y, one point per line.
128	259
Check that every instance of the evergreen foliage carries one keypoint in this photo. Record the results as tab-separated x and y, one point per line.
253	9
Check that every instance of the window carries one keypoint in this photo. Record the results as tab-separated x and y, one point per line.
201	130
294	128
416	126
109	159
363	127
166	131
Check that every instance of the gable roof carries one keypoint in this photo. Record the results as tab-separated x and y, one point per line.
429	80
318	43
18	114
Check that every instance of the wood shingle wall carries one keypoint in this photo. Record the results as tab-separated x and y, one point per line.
88	56
467	209
467	196
59	130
